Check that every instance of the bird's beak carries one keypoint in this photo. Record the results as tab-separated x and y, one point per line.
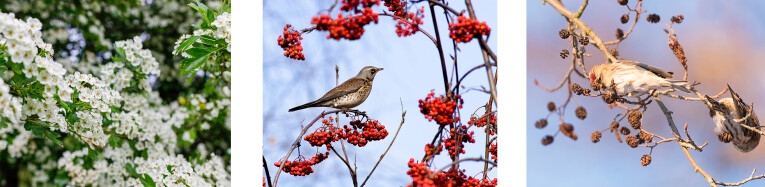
379	69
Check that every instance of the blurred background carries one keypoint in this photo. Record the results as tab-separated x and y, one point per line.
723	41
412	70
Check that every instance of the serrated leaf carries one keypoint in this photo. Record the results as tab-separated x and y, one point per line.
209	40
191	64
204	47
52	136
198	52
186	44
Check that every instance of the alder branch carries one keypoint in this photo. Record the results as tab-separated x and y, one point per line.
638	10
582	26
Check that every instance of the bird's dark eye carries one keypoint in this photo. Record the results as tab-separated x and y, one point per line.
374	70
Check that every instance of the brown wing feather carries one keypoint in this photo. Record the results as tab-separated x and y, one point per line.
349	86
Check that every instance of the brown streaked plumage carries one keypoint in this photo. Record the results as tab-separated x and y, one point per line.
726	111
351	93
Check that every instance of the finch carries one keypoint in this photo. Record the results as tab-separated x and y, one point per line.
632	79
725	113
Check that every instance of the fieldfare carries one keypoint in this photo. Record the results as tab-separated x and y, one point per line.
350	94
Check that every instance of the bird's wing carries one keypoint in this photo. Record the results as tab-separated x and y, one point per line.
349	86
742	108
653	69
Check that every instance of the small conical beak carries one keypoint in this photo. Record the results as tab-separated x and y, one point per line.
379	69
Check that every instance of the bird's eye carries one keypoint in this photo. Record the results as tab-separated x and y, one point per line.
374	70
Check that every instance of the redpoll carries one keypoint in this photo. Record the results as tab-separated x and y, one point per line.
632	79
725	114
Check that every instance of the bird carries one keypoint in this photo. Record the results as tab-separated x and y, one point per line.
725	113
351	93
632	78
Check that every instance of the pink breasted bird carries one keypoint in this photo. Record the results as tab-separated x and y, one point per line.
725	113
632	79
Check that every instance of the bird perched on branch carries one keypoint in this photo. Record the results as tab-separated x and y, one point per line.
632	79
729	114
350	94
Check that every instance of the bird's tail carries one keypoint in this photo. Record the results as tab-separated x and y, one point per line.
680	85
307	105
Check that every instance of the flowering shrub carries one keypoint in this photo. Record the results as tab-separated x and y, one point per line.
109	127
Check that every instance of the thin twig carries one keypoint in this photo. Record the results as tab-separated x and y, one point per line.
268	175
582	26
440	51
347	164
305	129
486	51
386	150
638	10
453	164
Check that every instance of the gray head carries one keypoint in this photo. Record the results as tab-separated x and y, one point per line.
368	72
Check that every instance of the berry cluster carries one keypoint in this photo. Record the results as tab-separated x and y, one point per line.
493	151
408	22
466	29
458	136
349	5
421	177
301	167
350	27
431	150
324	135
290	42
491	118
370	131
440	109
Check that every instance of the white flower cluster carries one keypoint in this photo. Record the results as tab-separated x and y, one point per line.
21	37
72	163
80	104
222	24
10	107
19	144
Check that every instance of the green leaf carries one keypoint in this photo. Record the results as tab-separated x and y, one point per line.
191	64
209	40
4	122
62	179
92	154
204	47
120	54
115	142
147	181
186	44
131	169
198	52
53	136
